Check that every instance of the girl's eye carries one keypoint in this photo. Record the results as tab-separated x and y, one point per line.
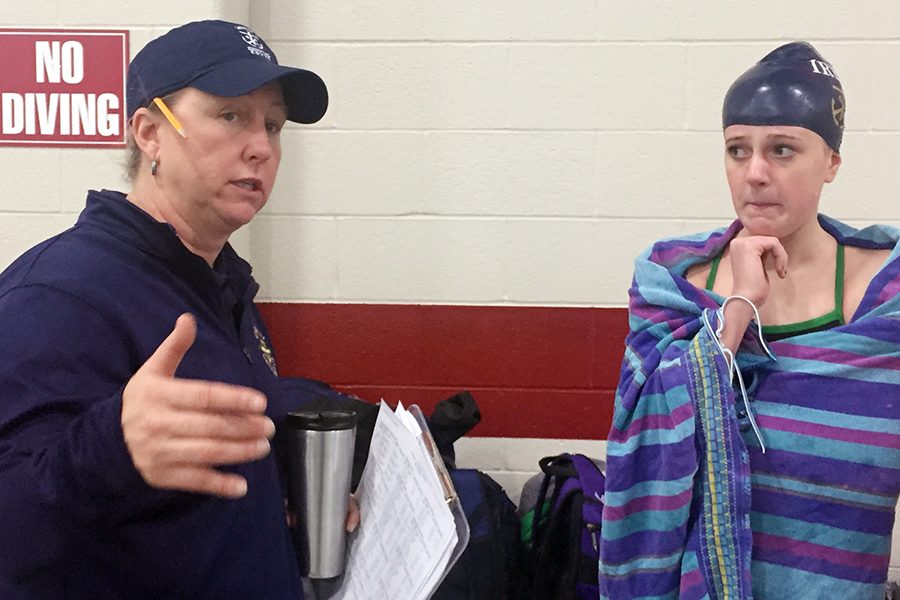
736	152
229	116
274	127
783	150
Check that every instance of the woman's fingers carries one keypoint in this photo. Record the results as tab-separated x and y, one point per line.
210	396
352	521
178	430
204	481
192	424
209	452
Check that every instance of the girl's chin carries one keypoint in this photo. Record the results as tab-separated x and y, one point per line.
763	227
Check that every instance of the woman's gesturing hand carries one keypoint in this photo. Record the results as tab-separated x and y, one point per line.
179	430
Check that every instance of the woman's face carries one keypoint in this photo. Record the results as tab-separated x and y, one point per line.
221	173
776	174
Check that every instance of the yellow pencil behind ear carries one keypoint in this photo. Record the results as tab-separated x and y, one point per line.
171	118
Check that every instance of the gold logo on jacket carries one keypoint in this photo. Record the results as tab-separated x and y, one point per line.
266	350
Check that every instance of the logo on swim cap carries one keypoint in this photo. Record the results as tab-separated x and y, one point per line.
792	85
837	107
822	68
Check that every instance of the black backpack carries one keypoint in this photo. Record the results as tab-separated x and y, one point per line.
492	567
563	547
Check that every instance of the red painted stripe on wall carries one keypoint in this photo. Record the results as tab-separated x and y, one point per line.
535	371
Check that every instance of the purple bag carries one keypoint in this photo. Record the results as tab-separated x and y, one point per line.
566	540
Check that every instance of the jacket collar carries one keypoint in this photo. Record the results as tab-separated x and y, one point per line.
112	212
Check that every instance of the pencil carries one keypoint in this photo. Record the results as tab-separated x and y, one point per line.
169	116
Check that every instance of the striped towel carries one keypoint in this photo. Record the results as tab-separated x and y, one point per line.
694	509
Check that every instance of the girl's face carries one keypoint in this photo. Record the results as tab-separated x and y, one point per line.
776	174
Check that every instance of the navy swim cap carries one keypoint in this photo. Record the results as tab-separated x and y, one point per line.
792	85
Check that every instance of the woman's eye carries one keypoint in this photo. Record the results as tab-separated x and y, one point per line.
229	116
736	152
274	126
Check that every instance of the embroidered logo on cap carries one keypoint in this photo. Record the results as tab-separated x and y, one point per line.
253	41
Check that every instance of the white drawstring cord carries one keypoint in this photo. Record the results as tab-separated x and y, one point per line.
759	332
730	360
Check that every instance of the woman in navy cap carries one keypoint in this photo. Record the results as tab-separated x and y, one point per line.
755	446
138	388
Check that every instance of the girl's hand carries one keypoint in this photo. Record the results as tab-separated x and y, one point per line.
751	256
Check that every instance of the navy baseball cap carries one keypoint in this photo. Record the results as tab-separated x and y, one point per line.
223	59
792	85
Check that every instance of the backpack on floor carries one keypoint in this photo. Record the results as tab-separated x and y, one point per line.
565	529
492	567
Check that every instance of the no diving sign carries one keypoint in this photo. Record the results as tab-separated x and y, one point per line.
62	87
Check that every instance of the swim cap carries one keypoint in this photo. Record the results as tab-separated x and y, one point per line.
792	85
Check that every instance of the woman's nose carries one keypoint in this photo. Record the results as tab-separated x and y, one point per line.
259	143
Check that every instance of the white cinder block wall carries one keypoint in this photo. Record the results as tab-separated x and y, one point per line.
503	152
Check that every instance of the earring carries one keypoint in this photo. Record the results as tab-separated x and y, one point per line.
154	167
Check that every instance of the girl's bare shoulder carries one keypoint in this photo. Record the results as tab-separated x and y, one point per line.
698	274
860	266
863	263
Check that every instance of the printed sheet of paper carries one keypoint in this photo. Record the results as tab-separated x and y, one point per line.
407	533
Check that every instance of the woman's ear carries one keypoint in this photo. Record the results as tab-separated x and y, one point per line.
145	130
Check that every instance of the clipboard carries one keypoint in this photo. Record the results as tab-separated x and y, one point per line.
450	495
374	556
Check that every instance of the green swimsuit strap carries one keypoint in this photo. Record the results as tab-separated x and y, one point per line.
834	318
838	279
713	270
839	284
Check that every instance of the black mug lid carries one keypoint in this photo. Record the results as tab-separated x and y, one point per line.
322	420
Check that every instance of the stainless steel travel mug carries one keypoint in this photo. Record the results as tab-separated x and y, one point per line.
320	444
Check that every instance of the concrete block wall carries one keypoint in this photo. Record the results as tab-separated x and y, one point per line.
510	153
523	145
523	152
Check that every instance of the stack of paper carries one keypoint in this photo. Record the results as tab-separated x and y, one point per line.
407	534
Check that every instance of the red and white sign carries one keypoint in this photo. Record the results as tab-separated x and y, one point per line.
62	87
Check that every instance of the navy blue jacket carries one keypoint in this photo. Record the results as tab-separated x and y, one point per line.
80	313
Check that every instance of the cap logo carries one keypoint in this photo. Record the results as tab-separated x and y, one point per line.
837	107
254	43
822	68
